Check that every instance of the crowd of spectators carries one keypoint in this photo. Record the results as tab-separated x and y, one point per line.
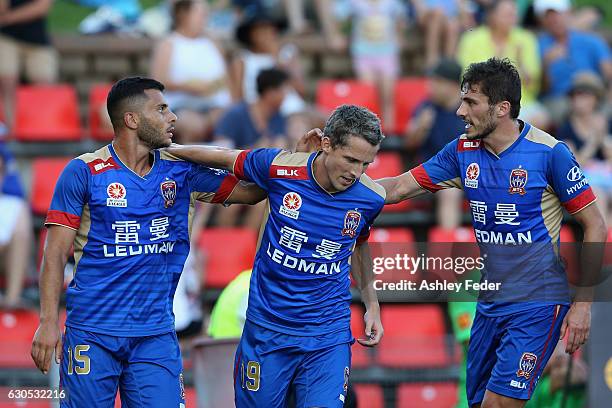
255	93
551	43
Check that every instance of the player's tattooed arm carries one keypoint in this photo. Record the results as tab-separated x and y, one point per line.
210	156
577	322
47	338
362	271
400	188
246	193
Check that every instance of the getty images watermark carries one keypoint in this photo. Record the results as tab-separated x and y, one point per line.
427	271
404	263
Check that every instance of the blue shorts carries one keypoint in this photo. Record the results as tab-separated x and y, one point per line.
507	354
268	364
146	370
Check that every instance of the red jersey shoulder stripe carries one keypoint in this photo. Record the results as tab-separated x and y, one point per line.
225	189
421	177
580	201
238	169
63	218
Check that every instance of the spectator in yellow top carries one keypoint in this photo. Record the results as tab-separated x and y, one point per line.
501	37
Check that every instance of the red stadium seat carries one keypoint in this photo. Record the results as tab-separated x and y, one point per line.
369	396
388	242
414	336
360	354
47	113
569	254
438	395
17	330
228	251
461	234
191	399
97	100
45	172
457	242
394	235
333	93
388	164
408	94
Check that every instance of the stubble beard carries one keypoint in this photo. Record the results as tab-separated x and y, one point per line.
151	136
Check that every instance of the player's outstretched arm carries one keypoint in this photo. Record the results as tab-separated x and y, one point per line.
577	322
48	336
400	188
246	193
210	156
361	269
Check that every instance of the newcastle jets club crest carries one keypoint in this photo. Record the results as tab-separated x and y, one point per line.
168	191
527	365
518	180
351	223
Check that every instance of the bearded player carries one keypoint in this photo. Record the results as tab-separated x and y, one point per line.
126	209
517	179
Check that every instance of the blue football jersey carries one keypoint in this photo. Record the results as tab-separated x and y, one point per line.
300	281
516	201
132	237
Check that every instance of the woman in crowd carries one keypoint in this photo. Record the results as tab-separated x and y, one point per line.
197	92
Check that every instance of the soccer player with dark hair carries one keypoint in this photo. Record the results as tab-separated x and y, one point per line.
320	209
126	208
517	179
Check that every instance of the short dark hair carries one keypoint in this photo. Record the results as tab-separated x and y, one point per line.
125	93
179	7
499	80
353	120
271	78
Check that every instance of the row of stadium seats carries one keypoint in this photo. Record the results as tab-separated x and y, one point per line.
401	348
417	348
420	347
48	113
407	95
415	337
415	395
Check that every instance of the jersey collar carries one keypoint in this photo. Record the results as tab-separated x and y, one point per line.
525	127
132	173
